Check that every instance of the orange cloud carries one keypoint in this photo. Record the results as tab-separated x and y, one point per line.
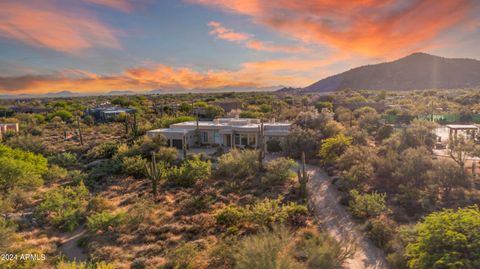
250	75
227	34
366	27
122	5
43	25
267	46
222	32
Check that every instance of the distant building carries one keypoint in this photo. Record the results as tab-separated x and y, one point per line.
8	127
108	113
228	132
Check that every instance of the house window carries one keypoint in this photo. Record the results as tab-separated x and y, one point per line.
237	139
244	140
204	137
252	139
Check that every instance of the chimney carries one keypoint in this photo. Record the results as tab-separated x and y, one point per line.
273	120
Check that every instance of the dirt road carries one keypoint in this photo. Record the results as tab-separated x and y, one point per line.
334	219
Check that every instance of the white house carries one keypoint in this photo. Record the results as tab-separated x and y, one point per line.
8	127
228	132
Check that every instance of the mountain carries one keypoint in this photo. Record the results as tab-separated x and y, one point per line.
60	94
414	72
120	93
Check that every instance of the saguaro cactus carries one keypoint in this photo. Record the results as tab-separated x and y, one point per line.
303	178
154	173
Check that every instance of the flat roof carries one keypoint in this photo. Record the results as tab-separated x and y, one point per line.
462	126
171	130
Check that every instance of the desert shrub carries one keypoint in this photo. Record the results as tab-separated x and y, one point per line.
105	150
380	230
134	166
28	143
18	174
145	145
191	171
167	154
367	205
266	250
76	176
65	159
7	233
84	265
265	213
231	215
104	219
55	173
103	169
333	147
183	256
99	204
37	161
65	115
278	171
64	207
319	250
274	145
238	164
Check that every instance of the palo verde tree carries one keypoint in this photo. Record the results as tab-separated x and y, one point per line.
447	239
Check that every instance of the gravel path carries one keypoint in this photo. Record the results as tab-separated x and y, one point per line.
69	246
334	219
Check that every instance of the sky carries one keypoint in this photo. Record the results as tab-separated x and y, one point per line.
94	46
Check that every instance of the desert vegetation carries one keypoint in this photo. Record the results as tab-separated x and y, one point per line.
138	203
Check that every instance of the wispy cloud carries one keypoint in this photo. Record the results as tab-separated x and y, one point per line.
248	40
224	33
43	24
122	5
371	27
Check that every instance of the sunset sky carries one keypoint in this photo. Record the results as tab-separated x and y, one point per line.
184	45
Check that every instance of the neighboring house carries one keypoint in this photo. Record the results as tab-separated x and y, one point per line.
228	132
8	127
108	113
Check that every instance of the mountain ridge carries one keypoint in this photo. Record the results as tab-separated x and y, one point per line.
416	71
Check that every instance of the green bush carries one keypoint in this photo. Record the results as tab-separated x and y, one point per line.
333	147
102	220
18	174
65	115
102	151
238	164
319	250
265	213
191	171
99	204
274	145
367	205
64	207
134	166
55	173
266	250
167	154
447	239
231	215
278	171
381	231
65	159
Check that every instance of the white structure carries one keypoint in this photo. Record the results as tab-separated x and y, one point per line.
229	132
8	127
